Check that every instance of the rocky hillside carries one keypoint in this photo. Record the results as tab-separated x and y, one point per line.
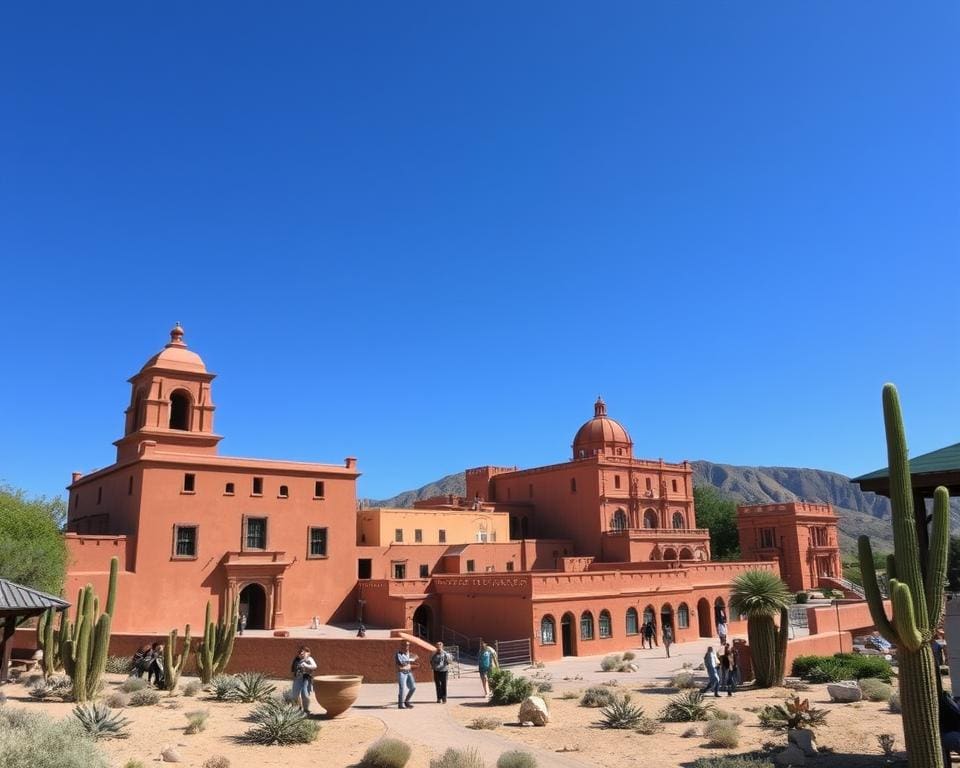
859	512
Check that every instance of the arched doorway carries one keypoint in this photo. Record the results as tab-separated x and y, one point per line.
720	611
650	519
423	623
180	410
703	618
567	624
619	521
666	619
253	605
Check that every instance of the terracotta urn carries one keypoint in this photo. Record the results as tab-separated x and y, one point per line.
336	693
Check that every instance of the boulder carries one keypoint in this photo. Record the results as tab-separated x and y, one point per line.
534	710
845	692
792	756
803	738
170	755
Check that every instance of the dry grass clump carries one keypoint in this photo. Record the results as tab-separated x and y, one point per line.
894	702
144	698
458	758
197	720
192	688
683	680
132	684
217	761
597	696
484	723
875	690
721	733
386	753
116	700
516	759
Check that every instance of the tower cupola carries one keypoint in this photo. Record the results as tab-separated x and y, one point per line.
602	436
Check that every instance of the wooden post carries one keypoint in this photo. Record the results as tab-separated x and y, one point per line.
6	646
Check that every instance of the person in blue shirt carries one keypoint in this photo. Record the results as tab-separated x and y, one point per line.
487	661
406	662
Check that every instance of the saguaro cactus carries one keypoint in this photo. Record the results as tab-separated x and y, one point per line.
85	650
917	603
172	661
214	651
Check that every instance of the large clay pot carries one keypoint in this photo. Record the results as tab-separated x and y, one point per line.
336	693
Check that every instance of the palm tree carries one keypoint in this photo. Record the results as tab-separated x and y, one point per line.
760	595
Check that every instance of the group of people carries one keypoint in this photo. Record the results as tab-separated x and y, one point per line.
440	661
148	660
723	669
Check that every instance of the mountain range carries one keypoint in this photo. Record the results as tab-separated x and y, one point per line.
859	512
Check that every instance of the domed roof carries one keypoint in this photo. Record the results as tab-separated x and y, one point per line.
601	431
175	355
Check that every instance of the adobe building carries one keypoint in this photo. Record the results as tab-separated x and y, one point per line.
800	535
571	558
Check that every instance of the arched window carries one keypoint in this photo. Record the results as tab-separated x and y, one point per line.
633	627
548	633
619	522
686	554
606	626
586	626
649	616
669	554
683	616
678	520
649	519
180	410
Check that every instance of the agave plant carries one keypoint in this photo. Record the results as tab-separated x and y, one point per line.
622	714
761	595
252	686
687	707
281	725
792	714
101	722
223	687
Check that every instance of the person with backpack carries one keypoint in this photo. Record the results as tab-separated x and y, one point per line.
302	669
440	662
647	635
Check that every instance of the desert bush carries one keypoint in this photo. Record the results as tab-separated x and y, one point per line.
841	666
505	688
875	690
253	686
119	665
683	680
516	759
721	733
217	761
690	732
386	753
134	764
100	722
648	726
144	698
597	696
281	725
484	723
802	597
894	702
197	720
796	685
629	656
611	662
117	700
687	707
458	758
726	714
132	684
40	690
544	686
35	740
223	687
621	714
192	688
732	761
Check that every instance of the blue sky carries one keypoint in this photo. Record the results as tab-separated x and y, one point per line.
430	234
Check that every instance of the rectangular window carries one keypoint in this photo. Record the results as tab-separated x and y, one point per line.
443	536
130	487
398	535
674	483
364	568
418	535
258	486
318	489
284	492
471	566
99	494
318	542
185	541
228	489
399	570
256	537
573	485
768	538
424	571
649	484
530	490
189	482
616	481
509	565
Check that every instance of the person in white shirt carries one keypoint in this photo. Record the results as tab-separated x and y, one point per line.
303	667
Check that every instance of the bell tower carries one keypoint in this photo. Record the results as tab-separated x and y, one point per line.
171	403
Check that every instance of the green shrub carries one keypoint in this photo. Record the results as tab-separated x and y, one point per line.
732	761
252	686
119	665
683	680
894	703
217	761
484	723
629	656
223	686
132	684
516	759
802	597
597	696
458	758
721	733
145	698
100	722
505	688
196	720
611	662
386	753
875	690
192	688
281	724
37	741
687	707
621	714
841	666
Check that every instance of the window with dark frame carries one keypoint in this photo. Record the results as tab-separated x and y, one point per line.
228	489
318	489
573	485
443	536
185	541
418	535
130	486
189	482
398	535
424	571
99	494
399	570
318	542
284	492
509	565
616	481
471	566
258	486
256	535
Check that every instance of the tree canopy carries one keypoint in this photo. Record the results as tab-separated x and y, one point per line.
32	550
719	515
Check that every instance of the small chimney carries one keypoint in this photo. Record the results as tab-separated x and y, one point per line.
76	476
351	462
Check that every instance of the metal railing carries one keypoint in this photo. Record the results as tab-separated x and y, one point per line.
513	652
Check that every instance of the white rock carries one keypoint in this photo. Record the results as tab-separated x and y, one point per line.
791	756
170	755
534	710
845	692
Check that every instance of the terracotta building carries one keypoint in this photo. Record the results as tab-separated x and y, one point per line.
572	557
800	535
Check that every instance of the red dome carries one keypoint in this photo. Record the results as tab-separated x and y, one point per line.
601	433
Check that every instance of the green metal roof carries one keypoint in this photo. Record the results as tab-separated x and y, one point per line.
942	460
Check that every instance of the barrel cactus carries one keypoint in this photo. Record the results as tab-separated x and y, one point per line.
85	649
917	602
761	595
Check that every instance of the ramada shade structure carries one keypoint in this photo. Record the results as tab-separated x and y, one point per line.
17	604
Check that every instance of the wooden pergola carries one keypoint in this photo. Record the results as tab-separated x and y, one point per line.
17	604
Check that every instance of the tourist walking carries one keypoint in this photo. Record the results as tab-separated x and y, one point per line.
241	623
440	662
406	662
711	663
141	661
727	681
302	669
647	635
667	639
487	660
722	632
